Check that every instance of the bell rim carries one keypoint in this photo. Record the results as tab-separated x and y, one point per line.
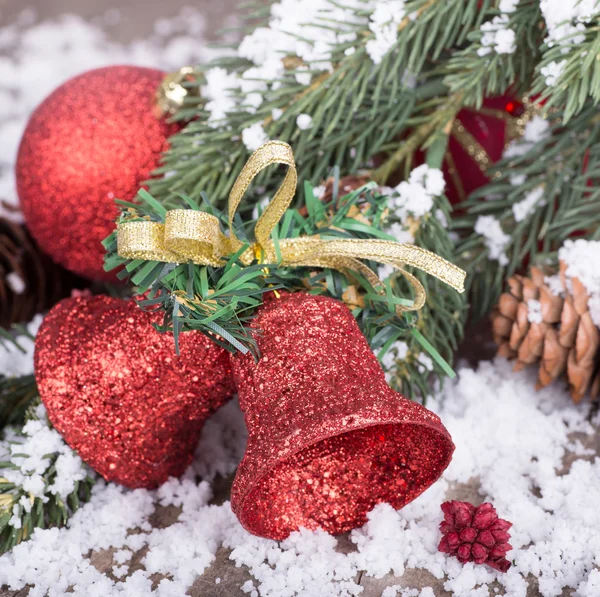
239	495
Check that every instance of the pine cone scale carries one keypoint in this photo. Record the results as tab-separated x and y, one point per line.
564	340
554	359
551	305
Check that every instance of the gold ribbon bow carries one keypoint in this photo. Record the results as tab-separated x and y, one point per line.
196	236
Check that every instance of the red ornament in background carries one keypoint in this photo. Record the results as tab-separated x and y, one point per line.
475	534
477	140
328	438
95	139
120	396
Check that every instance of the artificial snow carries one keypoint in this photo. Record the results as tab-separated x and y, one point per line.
565	24
494	238
566	20
34	452
415	196
304	121
384	22
496	35
218	93
15	282
523	209
581	258
398	351
536	130
552	72
509	438
254	136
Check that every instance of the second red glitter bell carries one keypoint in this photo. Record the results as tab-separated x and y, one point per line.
328	438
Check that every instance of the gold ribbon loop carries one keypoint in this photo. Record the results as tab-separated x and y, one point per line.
191	235
144	240
273	152
196	236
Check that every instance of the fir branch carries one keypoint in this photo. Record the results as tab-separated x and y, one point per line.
220	302
476	74
11	336
16	395
565	167
23	506
350	106
579	79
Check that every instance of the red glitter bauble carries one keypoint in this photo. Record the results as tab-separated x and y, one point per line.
93	140
328	438
478	140
120	396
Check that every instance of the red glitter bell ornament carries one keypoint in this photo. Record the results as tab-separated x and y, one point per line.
120	396
95	139
328	438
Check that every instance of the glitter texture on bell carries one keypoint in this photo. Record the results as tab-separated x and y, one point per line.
328	438
119	395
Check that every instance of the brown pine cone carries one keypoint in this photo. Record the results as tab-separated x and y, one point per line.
29	281
530	324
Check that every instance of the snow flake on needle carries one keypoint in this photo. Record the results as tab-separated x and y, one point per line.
496	34
416	195
32	452
495	239
254	136
384	22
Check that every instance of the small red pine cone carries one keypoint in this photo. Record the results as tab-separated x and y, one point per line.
475	534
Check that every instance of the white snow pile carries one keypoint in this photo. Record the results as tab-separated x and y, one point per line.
254	136
509	438
50	52
566	20
38	447
415	196
33	453
582	257
524	208
411	200
384	23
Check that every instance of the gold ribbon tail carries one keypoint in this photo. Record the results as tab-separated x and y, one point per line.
344	255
